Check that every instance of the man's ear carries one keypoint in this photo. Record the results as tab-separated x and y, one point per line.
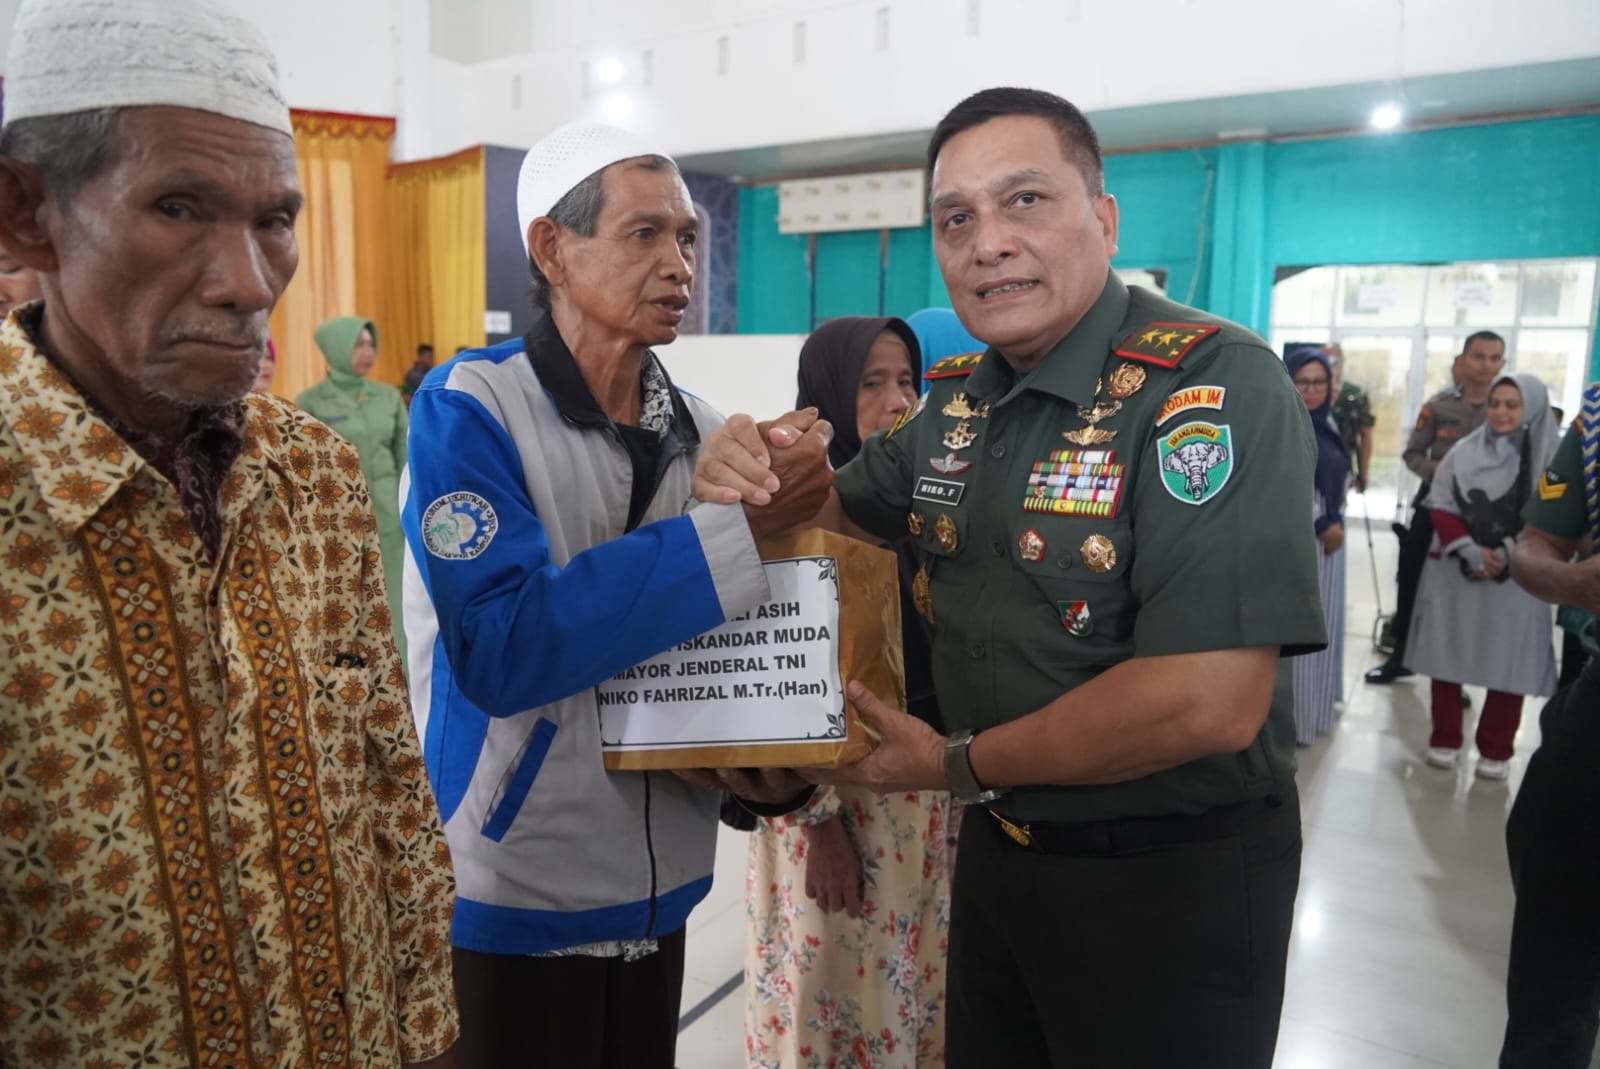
544	247
22	229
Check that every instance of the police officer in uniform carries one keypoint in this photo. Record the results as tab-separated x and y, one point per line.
1113	503
1446	417
1553	977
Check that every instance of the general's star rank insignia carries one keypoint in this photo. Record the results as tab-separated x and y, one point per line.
906	417
1164	344
951	366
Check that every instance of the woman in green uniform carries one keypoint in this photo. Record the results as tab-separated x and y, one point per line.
371	417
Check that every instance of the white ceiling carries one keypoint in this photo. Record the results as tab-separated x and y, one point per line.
1427	100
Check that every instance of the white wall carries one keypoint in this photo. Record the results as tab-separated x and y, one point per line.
1100	53
749	373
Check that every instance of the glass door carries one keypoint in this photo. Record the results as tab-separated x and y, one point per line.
1389	367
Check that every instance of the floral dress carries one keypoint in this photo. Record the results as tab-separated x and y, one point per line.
825	991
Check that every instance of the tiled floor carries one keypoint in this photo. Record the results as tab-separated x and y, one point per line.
1399	952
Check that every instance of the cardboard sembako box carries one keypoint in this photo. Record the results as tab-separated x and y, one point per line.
766	690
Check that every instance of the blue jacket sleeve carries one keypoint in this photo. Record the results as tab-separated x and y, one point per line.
520	632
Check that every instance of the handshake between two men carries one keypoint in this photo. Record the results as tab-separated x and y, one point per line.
780	471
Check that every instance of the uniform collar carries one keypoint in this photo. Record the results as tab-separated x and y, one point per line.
561	378
1071	369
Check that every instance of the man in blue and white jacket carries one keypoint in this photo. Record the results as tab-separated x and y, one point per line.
552	541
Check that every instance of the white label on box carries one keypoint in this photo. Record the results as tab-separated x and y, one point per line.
497	322
770	676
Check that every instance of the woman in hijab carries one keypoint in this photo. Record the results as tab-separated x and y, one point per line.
371	417
1316	677
857	972
1471	624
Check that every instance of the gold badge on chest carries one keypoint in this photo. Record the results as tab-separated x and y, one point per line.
1098	554
960	408
944	531
1126	380
960	437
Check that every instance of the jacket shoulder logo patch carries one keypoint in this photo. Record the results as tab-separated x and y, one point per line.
458	526
1190	398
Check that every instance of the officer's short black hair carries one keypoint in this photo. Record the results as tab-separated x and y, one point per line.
424	349
1080	145
1482	335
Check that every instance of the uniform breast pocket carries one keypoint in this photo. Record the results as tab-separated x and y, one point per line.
1078	569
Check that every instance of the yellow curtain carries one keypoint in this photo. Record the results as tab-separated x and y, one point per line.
401	245
343	162
436	209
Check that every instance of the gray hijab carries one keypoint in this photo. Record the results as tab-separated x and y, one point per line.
1491	462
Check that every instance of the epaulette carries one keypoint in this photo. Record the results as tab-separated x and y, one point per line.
1164	344
951	366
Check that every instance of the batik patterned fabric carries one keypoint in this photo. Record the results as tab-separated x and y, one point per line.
217	843
823	991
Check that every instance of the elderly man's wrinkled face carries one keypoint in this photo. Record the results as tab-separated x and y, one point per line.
631	281
170	262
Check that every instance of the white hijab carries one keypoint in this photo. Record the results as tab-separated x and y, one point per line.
1490	462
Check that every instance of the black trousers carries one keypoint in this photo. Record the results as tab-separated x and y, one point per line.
520	1012
1144	956
1553	979
1414	547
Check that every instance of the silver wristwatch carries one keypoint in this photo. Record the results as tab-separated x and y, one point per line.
963	784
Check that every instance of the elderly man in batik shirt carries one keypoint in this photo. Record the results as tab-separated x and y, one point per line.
217	842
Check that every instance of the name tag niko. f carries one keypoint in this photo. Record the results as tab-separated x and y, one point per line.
769	677
939	491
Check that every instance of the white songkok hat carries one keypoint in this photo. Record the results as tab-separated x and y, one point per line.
563	158
79	55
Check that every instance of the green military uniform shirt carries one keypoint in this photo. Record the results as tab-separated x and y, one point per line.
1559	506
1050	560
1352	413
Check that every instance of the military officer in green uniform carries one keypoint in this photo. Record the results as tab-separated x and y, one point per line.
1114	507
1553	977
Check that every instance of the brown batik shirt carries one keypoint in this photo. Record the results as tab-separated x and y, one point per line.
217	842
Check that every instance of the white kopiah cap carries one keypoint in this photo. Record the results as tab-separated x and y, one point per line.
68	56
563	158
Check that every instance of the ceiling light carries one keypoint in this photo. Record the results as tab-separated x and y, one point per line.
608	70
1386	117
